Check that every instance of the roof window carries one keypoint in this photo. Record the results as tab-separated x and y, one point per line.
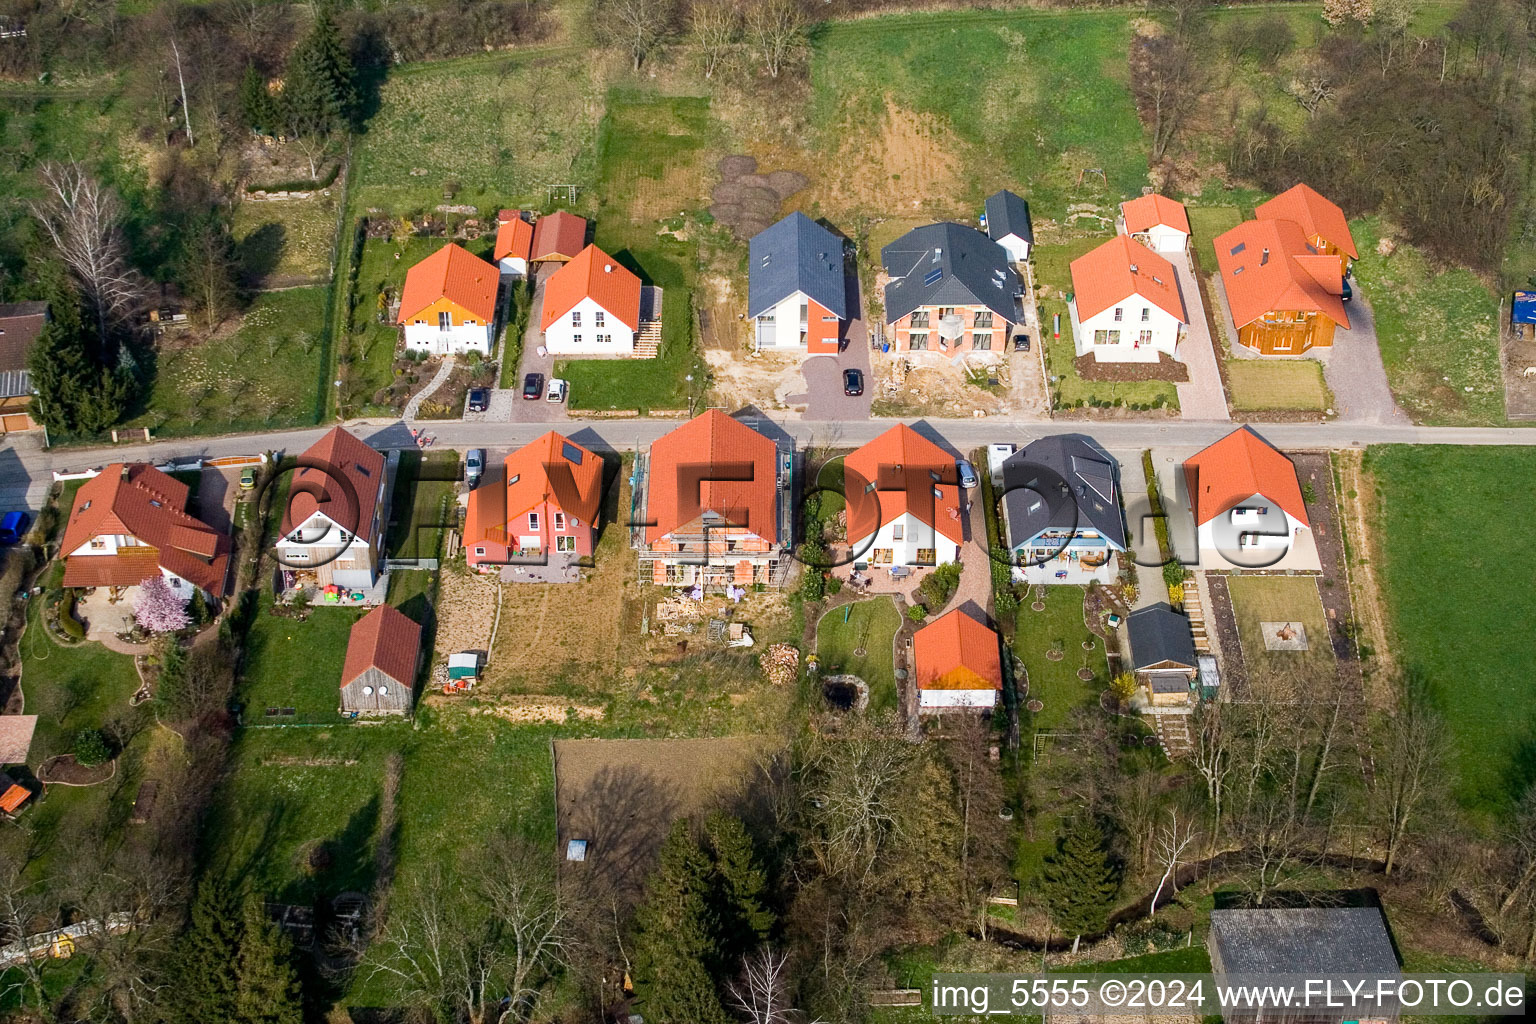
1239	247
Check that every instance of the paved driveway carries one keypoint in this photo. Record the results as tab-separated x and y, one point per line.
1202	397
823	397
1355	373
513	407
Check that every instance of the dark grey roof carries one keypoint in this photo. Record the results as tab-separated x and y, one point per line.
796	255
948	265
1061	482
1301	940
1007	214
1158	634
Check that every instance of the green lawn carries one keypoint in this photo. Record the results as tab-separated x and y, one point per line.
262	371
1257	599
1459	609
1438	330
421	507
293	664
1277	384
1205	223
1053	281
872	627
284	241
1036	97
492	130
1056	682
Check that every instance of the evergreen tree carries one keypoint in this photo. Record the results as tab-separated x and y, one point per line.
76	392
267	988
740	889
675	937
320	88
256	103
1078	881
207	958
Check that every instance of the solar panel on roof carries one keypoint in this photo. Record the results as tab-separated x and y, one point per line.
934	276
1239	247
571	453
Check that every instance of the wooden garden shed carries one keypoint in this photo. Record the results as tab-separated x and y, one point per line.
383	653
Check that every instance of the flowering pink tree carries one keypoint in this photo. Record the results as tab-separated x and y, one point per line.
160	609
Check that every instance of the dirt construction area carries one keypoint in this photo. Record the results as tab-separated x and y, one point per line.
622	796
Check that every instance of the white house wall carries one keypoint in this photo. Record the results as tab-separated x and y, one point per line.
915	534
560	338
1270	535
454	340
512	266
1163	326
1016	247
784	331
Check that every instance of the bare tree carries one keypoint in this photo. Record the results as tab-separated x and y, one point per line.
853	787
761	992
776	29
1168	78
83	219
181	81
25	906
1408	769
1520	833
637	25
1212	757
714	26
1174	838
1136	813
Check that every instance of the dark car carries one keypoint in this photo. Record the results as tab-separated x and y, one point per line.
479	399
14	527
1021	343
853	383
1348	291
533	387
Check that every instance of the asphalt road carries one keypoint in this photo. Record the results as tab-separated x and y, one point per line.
26	468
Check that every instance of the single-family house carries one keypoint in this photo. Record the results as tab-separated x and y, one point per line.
559	237
383	653
1061	511
1007	224
903	501
1157	222
797	287
514	244
1248	507
540	508
958	664
333	525
1322	223
1285	293
1163	654
952	289
591	307
130	523
1304	941
20	325
448	304
716	506
1125	305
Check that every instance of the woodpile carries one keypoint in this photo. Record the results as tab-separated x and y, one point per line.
781	663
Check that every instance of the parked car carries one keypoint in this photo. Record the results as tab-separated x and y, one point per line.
1348	292
14	527
248	478
967	474
556	391
533	387
853	383
479	400
474	466
1021	343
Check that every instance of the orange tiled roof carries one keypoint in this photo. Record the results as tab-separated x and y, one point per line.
955	652
138	500
597	276
454	274
339	455
514	236
559	234
551	468
1120	268
1269	266
1148	211
1236	468
385	639
713	464
906	469
1316	215
12	795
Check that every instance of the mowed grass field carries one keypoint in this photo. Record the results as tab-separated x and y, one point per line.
871	628
1280	384
1456	578
1055	683
492	130
1034	98
286	242
261	370
1283	675
1438	330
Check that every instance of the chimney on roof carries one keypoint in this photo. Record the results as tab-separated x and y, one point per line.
607	268
125	471
1133	268
1264	257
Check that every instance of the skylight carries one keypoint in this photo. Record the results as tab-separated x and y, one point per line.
1239	247
572	453
934	276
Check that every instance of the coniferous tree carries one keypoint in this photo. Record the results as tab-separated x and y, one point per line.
740	889
257	105
1079	882
76	393
319	89
675	937
208	957
267	988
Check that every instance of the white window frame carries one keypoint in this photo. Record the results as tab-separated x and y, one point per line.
533	521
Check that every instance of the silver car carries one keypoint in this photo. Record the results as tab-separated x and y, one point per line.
474	466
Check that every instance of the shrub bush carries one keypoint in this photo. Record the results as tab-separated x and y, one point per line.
940	585
91	748
70	625
917	613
